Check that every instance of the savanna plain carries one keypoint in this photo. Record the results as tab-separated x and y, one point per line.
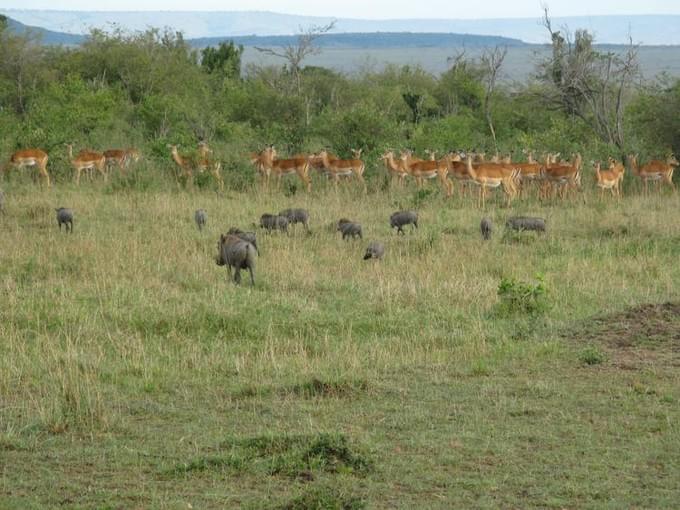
528	371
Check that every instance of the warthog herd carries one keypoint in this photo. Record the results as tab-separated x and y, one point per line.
237	249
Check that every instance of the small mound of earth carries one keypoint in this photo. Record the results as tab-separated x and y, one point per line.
645	333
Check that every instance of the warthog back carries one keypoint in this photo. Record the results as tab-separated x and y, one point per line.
350	229
526	223
201	218
375	250
250	237
65	217
486	228
296	216
273	222
401	218
237	253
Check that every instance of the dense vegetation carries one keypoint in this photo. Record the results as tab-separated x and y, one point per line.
150	89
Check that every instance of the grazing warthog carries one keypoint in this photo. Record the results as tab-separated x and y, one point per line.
250	237
65	217
232	251
349	229
296	216
526	223
401	218
486	227
201	217
273	222
375	250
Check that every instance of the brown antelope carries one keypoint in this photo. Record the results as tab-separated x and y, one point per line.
609	179
121	158
562	177
280	167
86	160
184	163
528	172
30	157
655	170
489	175
395	167
342	167
206	163
458	171
429	169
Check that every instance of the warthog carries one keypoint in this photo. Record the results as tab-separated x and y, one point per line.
201	217
250	237
526	223
349	228
401	218
486	227
232	251
375	250
296	216
273	222
65	217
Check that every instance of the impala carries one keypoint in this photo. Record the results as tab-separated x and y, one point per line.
655	170
489	175
206	163
121	158
280	167
528	172
86	160
342	167
395	167
429	169
561	176
30	157
458	171
183	163
609	179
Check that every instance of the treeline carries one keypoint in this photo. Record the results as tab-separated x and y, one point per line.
150	89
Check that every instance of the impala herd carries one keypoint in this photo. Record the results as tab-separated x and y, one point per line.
549	177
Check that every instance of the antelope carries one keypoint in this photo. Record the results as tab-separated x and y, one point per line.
86	160
280	167
489	175
529	171
205	163
183	163
432	154
563	176
120	158
429	169
343	167
609	179
257	160
655	170
458	171
395	167
30	157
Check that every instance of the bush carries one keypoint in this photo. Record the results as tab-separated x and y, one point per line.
591	356
522	297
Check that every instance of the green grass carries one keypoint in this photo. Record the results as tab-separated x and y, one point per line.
133	374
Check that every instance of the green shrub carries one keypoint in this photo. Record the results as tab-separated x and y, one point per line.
518	297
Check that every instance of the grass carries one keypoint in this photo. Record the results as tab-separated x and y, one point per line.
134	374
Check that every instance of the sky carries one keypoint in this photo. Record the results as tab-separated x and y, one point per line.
374	9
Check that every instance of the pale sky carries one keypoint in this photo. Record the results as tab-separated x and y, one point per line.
374	9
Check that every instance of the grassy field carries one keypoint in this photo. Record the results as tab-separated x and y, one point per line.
134	375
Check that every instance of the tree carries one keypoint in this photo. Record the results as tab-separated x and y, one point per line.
491	61
591	85
295	53
226	59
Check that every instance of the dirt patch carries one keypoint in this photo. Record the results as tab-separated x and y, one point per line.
637	336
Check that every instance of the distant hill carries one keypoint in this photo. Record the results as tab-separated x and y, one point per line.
374	40
647	29
46	36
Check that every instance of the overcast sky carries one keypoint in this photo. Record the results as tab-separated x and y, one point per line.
374	9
